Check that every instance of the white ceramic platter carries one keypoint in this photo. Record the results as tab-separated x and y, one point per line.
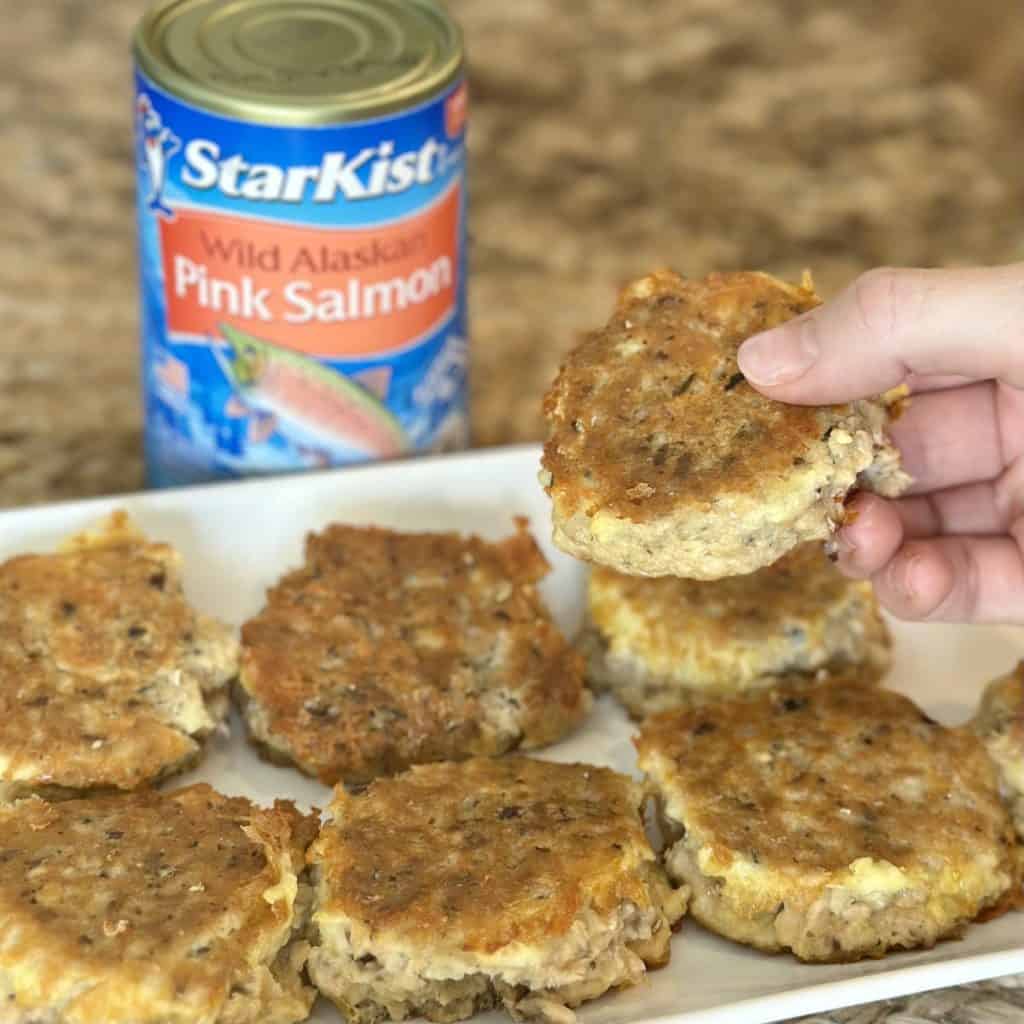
238	538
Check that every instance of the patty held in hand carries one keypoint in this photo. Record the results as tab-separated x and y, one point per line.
662	461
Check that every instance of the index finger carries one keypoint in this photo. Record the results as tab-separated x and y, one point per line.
890	325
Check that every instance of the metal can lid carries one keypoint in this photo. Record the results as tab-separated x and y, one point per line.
300	62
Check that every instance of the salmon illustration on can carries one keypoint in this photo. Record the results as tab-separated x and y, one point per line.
302	234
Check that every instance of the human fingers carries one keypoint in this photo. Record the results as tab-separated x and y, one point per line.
971	509
955	579
948	438
919	383
873	534
877	527
888	325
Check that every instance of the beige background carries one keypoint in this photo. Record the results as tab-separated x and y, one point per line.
608	136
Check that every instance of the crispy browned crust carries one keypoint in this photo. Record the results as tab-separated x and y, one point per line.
148	905
388	649
769	775
724	636
794	589
1001	712
486	853
104	666
999	723
675	423
1013	900
662	461
643	693
836	822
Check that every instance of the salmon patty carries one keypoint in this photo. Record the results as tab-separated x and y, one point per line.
837	822
662	460
514	883
109	679
1000	724
662	643
153	908
388	649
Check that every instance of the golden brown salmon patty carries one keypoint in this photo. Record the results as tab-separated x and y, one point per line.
838	822
389	649
1000	724
662	643
108	678
458	887
662	461
153	908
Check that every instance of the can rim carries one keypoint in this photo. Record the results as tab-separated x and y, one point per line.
312	113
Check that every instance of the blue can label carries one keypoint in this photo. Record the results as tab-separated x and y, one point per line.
303	289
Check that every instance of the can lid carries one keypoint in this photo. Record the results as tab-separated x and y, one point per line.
299	62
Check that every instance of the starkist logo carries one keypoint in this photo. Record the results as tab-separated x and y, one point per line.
368	174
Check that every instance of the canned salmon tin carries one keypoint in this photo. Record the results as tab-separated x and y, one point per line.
302	226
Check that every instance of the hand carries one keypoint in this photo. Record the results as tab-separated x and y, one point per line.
953	548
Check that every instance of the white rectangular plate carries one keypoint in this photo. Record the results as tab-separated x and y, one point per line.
238	538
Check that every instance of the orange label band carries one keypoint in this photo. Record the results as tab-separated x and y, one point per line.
324	292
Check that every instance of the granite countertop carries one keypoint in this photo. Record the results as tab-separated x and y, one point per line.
608	137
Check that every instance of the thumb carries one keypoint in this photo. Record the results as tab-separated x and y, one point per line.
892	323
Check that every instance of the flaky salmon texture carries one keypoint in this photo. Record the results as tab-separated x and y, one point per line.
661	460
999	722
668	642
153	908
837	822
495	882
109	679
388	649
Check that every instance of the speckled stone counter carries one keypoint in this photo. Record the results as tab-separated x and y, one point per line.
608	137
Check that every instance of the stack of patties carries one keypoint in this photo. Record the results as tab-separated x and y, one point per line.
153	908
835	820
389	649
458	887
702	503
662	643
108	678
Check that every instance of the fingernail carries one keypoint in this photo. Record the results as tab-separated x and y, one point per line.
778	356
905	575
846	555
